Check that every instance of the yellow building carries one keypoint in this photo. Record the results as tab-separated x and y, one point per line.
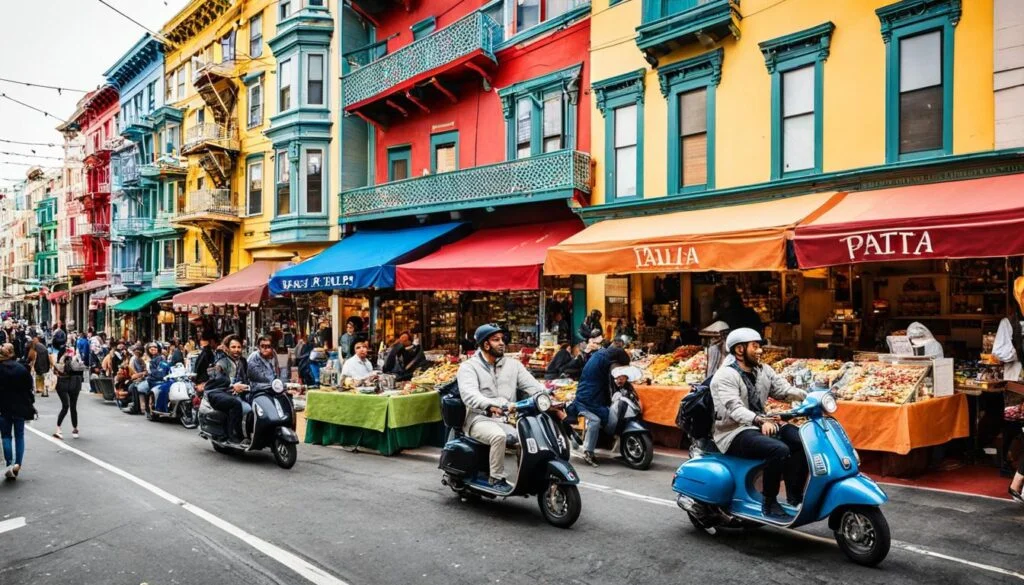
708	103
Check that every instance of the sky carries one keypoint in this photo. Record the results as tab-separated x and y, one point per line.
66	43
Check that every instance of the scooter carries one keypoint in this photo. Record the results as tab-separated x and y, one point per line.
268	420
544	468
717	490
634	440
180	389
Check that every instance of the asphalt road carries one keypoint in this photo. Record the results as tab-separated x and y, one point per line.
139	502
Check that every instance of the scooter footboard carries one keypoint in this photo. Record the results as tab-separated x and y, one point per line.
857	490
706	480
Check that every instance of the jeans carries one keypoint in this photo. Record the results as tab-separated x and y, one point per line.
594	428
68	401
12	427
784	457
232	405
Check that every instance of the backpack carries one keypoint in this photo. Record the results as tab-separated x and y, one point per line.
696	414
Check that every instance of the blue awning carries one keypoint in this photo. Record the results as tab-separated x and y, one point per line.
363	260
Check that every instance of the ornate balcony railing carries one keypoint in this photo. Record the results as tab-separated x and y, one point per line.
163	165
192	273
473	33
209	132
134	125
76	268
552	175
132	226
130	276
163	221
96	230
209	202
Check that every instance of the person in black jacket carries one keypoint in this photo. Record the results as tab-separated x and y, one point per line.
567	363
206	358
592	322
16	406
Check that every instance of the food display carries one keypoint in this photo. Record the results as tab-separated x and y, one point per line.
442	373
563	389
774	353
802	373
880	382
686	371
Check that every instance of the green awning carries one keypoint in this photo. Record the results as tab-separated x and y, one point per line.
141	301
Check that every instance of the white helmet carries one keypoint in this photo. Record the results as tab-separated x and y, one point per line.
741	335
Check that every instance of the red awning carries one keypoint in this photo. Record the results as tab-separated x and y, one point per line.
507	258
88	286
56	297
245	287
962	219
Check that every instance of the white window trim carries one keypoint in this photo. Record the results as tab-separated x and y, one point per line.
248	104
292	84
323	79
323	179
248	182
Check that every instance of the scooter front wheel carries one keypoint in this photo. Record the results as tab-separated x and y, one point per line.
285	454
637	450
863	534
560	504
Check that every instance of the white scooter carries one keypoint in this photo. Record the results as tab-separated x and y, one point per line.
180	389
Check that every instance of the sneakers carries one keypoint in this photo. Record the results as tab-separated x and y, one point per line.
16	468
1015	495
57	434
9	472
74	434
773	511
500	484
590	459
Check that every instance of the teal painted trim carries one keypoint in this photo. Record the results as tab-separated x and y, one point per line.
256	155
253	78
562	77
441	139
423	28
397	153
701	72
548	25
787	53
901	173
909	18
296	229
565	80
660	31
611	94
630	85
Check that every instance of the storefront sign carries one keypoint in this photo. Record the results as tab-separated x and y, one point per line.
677	257
327	282
894	243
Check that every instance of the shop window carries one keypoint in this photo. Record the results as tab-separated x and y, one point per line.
919	73
315	80
444	152
254	196
314	181
284	191
284	83
620	100
541	113
399	161
256	36
690	88
796	65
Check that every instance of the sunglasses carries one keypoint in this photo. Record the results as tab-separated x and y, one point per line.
265	346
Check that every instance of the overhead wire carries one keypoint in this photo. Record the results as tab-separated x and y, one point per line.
139	24
32	155
31	107
43	85
51	144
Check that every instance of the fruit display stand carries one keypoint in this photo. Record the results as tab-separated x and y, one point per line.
660	405
386	422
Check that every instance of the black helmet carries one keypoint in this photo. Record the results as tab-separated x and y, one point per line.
484	332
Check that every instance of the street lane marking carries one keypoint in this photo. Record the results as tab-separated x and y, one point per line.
307	570
942	491
12	524
913	548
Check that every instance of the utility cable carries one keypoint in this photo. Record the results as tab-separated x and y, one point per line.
31	107
51	144
31	155
157	35
44	86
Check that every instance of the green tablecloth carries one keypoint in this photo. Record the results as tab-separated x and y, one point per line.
385	423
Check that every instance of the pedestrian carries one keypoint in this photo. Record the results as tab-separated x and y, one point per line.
59	341
16	406
69	383
39	360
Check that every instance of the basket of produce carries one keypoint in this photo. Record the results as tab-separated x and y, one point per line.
804	372
440	374
688	371
562	389
880	382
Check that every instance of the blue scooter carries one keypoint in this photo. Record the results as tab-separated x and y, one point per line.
717	490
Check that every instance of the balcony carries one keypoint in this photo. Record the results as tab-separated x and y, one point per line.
163	166
191	275
129	171
670	24
133	226
203	136
135	128
207	206
409	78
74	207
76	268
552	176
94	230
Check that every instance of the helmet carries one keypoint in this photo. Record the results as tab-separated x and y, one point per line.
484	332
152	344
741	335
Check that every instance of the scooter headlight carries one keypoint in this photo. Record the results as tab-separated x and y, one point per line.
829	404
543	402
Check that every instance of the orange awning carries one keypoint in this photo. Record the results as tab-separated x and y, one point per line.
734	238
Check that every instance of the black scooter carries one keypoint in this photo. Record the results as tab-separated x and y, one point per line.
544	468
634	440
268	420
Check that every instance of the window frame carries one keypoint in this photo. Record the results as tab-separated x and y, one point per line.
283	82
258	87
611	94
784	54
423	28
249	164
303	203
907	19
282	158
399	152
441	139
256	24
701	72
567	81
307	79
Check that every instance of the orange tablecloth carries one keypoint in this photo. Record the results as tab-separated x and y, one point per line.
900	428
661	403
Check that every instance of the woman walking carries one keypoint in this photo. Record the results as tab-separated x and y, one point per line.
16	406
69	383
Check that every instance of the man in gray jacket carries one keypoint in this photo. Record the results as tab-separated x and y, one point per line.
488	382
740	390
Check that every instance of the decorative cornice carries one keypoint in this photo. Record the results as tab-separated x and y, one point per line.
568	79
908	12
626	85
708	65
813	41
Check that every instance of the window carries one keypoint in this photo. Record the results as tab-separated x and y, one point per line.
284	191
444	152
284	82
151	95
201	116
169	87
399	162
527	13
423	28
227	47
315	2
256	36
796	63
553	130
541	113
530	13
690	88
256	104
181	82
168	255
620	100
315	80
284	9
200	183
171	141
921	92
254	197
918	40
625	144
179	250
195	250
314	181
524	127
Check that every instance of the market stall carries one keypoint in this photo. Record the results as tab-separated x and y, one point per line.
385	422
139	316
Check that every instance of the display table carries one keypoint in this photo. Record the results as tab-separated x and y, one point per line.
385	423
895	428
661	403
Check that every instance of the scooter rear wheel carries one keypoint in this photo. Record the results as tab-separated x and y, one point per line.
560	504
863	534
637	450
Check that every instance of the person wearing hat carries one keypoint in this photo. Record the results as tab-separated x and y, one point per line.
623	377
16	406
1008	348
593	396
489	383
923	341
717	352
740	391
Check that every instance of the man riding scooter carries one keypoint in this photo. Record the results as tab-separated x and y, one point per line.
593	397
740	390
230	378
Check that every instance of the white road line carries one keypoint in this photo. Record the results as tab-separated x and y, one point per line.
942	491
12	524
928	553
307	570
